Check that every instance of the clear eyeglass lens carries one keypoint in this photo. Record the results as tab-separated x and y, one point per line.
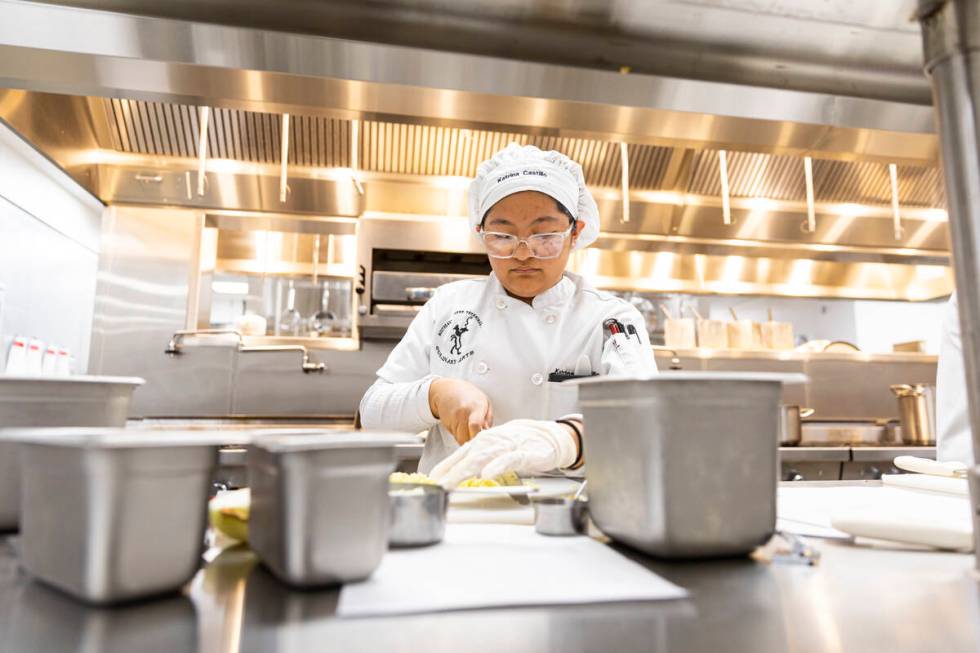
541	245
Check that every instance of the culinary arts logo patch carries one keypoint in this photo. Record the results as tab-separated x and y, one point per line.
455	335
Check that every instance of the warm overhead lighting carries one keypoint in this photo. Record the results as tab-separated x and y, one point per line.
851	210
284	158
726	207
732	272
700	263
811	211
450	182
229	287
663	266
660	197
202	149
801	274
935	215
896	213
625	178
931	272
760	204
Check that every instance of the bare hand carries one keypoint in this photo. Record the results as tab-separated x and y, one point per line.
461	407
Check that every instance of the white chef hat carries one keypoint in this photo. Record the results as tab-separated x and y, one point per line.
519	168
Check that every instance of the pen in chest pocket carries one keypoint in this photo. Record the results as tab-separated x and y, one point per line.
617	333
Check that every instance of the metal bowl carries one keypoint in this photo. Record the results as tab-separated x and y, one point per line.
418	514
559	515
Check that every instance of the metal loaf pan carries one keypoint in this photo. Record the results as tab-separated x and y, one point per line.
684	465
110	515
320	512
29	401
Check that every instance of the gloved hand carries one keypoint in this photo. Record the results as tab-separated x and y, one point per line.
525	446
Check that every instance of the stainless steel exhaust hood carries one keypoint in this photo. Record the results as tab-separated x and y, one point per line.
378	131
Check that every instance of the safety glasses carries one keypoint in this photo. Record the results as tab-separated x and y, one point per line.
544	246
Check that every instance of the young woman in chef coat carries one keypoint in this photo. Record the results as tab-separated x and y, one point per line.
476	364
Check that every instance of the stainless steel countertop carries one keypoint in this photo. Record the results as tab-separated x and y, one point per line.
856	599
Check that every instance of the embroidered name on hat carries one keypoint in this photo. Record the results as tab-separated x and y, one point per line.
526	173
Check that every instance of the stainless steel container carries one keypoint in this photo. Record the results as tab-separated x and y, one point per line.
843	434
684	465
559	515
917	412
418	514
320	513
791	425
110	515
27	401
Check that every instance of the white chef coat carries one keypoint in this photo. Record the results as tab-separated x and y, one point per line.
474	330
953	439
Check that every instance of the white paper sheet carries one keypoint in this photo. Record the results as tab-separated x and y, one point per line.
498	565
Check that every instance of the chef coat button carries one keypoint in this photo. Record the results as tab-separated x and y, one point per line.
482	368
501	304
537	379
550	318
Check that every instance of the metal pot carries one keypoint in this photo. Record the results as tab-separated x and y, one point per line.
790	425
917	411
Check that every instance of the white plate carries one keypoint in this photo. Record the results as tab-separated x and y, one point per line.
509	490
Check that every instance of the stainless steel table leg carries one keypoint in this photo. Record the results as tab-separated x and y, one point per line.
951	44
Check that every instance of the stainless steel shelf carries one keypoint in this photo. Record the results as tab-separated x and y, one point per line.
793	355
814	454
871	454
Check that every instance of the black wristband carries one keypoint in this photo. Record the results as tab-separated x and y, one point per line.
578	436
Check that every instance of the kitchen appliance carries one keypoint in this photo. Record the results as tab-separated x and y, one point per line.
917	412
843	434
418	514
111	515
684	464
405	263
54	401
790	424
320	510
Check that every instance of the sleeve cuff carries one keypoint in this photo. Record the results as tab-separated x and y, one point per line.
422	408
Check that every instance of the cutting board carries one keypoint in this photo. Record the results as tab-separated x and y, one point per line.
501	565
900	514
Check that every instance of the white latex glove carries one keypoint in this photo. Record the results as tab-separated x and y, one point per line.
525	446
